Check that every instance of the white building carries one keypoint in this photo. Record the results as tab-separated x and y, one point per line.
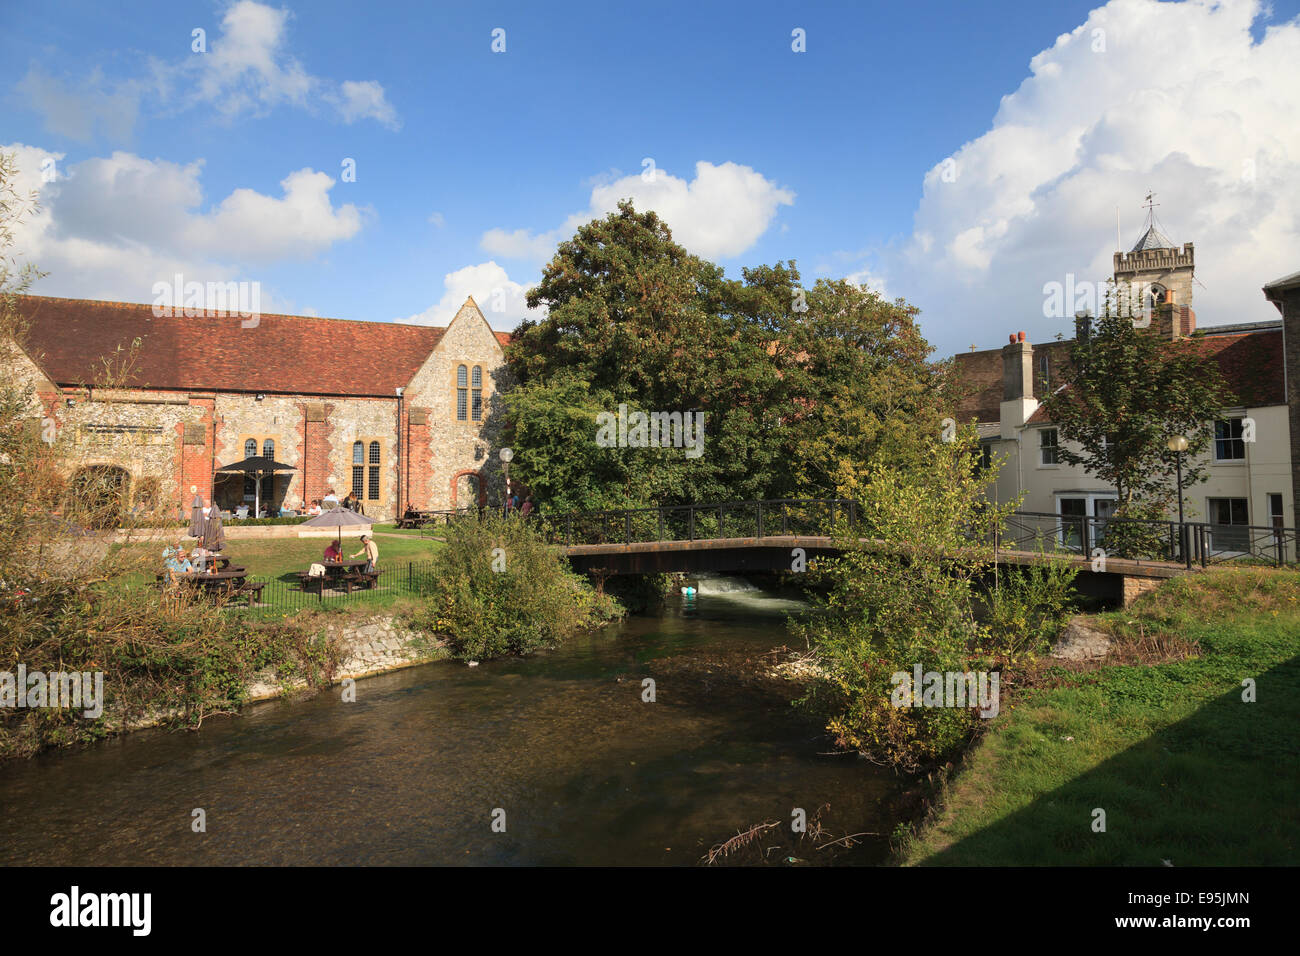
1249	483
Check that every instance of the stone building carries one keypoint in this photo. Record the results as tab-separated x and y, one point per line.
402	415
1253	479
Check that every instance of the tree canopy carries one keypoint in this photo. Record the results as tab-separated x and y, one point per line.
794	384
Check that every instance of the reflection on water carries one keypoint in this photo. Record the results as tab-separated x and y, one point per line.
411	773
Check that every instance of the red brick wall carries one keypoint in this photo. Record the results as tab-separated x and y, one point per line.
417	478
314	448
194	463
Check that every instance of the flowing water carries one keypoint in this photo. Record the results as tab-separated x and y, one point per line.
560	744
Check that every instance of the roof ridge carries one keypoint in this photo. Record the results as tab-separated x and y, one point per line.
226	313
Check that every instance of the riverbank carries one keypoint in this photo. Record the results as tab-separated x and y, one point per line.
1157	737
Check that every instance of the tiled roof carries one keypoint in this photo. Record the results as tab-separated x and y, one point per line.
1250	363
287	354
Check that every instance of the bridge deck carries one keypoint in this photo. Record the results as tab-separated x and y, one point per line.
824	544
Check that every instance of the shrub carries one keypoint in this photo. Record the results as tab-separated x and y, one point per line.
499	589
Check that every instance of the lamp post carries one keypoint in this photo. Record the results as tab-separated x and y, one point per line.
1178	445
506	454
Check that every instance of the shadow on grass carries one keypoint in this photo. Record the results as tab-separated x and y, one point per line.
1215	789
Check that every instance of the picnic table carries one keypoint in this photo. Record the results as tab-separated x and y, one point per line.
346	573
228	584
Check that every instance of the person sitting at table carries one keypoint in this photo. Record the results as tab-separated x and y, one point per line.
331	500
199	559
371	551
315	508
176	563
334	553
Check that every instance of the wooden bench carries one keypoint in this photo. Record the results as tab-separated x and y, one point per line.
312	583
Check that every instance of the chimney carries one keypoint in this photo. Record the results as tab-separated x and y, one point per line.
1082	326
1018	401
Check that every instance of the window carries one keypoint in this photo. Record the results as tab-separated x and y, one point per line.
1084	514
358	468
476	390
1276	516
250	448
1047	447
1045	372
462	392
374	471
1228	520
1228	443
268	448
250	487
986	455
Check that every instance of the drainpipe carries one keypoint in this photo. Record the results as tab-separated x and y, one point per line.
399	511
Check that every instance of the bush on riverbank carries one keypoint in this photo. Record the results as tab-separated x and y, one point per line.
913	603
501	590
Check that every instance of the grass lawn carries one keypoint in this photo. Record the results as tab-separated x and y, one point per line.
282	557
1183	768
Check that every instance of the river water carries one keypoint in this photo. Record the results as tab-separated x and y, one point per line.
560	746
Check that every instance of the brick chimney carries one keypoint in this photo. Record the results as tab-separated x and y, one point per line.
1018	401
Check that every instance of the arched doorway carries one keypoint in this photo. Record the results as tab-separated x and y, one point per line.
466	489
98	496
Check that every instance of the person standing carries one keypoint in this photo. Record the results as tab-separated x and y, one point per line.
371	551
527	507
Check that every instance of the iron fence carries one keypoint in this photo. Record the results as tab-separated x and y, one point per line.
1189	543
287	593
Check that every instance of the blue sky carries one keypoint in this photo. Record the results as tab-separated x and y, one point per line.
470	164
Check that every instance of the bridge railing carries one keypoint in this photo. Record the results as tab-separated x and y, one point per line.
694	522
1191	543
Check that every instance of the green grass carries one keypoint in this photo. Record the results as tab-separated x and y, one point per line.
1183	768
278	560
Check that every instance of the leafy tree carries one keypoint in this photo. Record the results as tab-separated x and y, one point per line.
794	384
1125	393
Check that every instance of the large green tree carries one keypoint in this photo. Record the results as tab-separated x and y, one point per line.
793	382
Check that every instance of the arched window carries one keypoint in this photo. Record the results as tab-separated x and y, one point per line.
268	448
462	393
358	468
374	472
476	394
250	448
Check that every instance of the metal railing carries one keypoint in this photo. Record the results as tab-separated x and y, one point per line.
287	594
1190	543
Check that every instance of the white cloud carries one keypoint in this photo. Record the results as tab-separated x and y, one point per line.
1180	101
500	299
246	70
109	228
721	213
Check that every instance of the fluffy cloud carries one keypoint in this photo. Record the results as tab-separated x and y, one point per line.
1174	97
111	227
500	299
719	214
246	70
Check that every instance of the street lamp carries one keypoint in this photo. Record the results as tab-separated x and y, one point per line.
506	454
1178	445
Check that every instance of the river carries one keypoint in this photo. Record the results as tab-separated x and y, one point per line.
559	746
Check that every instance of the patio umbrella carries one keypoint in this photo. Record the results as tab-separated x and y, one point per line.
337	518
214	536
257	467
196	518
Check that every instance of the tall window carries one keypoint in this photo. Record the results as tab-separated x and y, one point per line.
476	394
1047	447
374	471
250	448
1045	372
358	468
1228	443
462	393
268	448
